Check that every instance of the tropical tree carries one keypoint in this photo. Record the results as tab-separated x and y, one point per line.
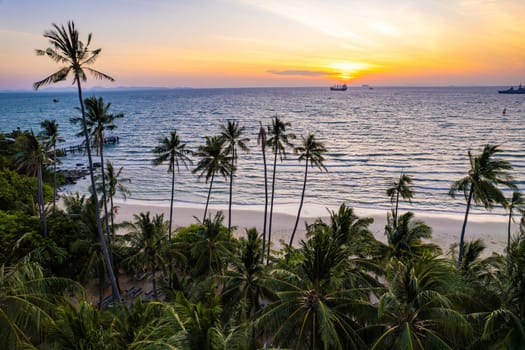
174	151
278	141
214	160
50	132
516	202
98	120
29	159
481	184
311	151
261	140
115	182
316	308
400	188
145	238
67	48
232	134
418	311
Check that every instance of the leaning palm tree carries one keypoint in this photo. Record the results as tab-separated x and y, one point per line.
481	184
311	151
261	140
278	141
174	151
67	48
400	188
98	120
214	160
50	132
232	134
516	202
29	159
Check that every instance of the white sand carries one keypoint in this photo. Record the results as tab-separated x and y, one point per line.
492	229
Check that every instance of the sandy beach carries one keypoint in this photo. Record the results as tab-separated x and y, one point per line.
492	229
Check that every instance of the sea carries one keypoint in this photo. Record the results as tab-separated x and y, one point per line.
372	135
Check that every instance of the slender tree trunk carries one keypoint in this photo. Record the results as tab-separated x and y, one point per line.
271	209
508	230
112	208
171	203
154	282
208	200
41	203
397	202
462	238
107	259
231	193
265	203
54	178
301	204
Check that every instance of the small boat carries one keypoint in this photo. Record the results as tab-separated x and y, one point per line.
512	90
55	100
339	87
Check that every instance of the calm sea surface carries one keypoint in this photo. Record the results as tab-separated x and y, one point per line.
371	137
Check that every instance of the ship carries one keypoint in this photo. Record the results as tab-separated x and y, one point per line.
512	90
339	87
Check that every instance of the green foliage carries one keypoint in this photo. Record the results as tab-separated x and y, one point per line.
19	192
14	226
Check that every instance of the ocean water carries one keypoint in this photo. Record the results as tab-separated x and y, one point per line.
371	137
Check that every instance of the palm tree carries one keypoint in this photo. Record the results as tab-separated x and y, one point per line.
29	159
174	151
278	141
516	202
66	48
261	140
400	188
115	182
146	238
50	131
214	160
311	151
99	120
481	184
232	134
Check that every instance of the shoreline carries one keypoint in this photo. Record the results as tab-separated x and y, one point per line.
445	229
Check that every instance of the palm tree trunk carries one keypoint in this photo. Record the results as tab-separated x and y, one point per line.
112	208
208	200
54	178
462	238
301	204
271	209
112	279
397	203
508	230
231	192
171	203
154	282
41	200
265	203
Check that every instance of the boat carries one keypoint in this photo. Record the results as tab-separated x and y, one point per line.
339	87
512	90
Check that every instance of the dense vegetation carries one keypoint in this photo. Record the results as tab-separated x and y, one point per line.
339	288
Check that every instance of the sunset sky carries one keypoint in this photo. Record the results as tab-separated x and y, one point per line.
256	43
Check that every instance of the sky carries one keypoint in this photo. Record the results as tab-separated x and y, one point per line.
261	43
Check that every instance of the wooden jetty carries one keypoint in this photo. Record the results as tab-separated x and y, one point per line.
75	147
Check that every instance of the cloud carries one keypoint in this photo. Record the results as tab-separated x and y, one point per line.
304	73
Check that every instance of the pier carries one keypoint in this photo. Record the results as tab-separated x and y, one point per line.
76	147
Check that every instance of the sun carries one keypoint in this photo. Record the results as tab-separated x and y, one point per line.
346	70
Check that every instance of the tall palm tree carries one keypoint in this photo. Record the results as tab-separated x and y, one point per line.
278	141
516	202
115	182
50	132
214	160
261	140
99	120
232	134
311	151
174	151
400	188
29	159
67	48
481	184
